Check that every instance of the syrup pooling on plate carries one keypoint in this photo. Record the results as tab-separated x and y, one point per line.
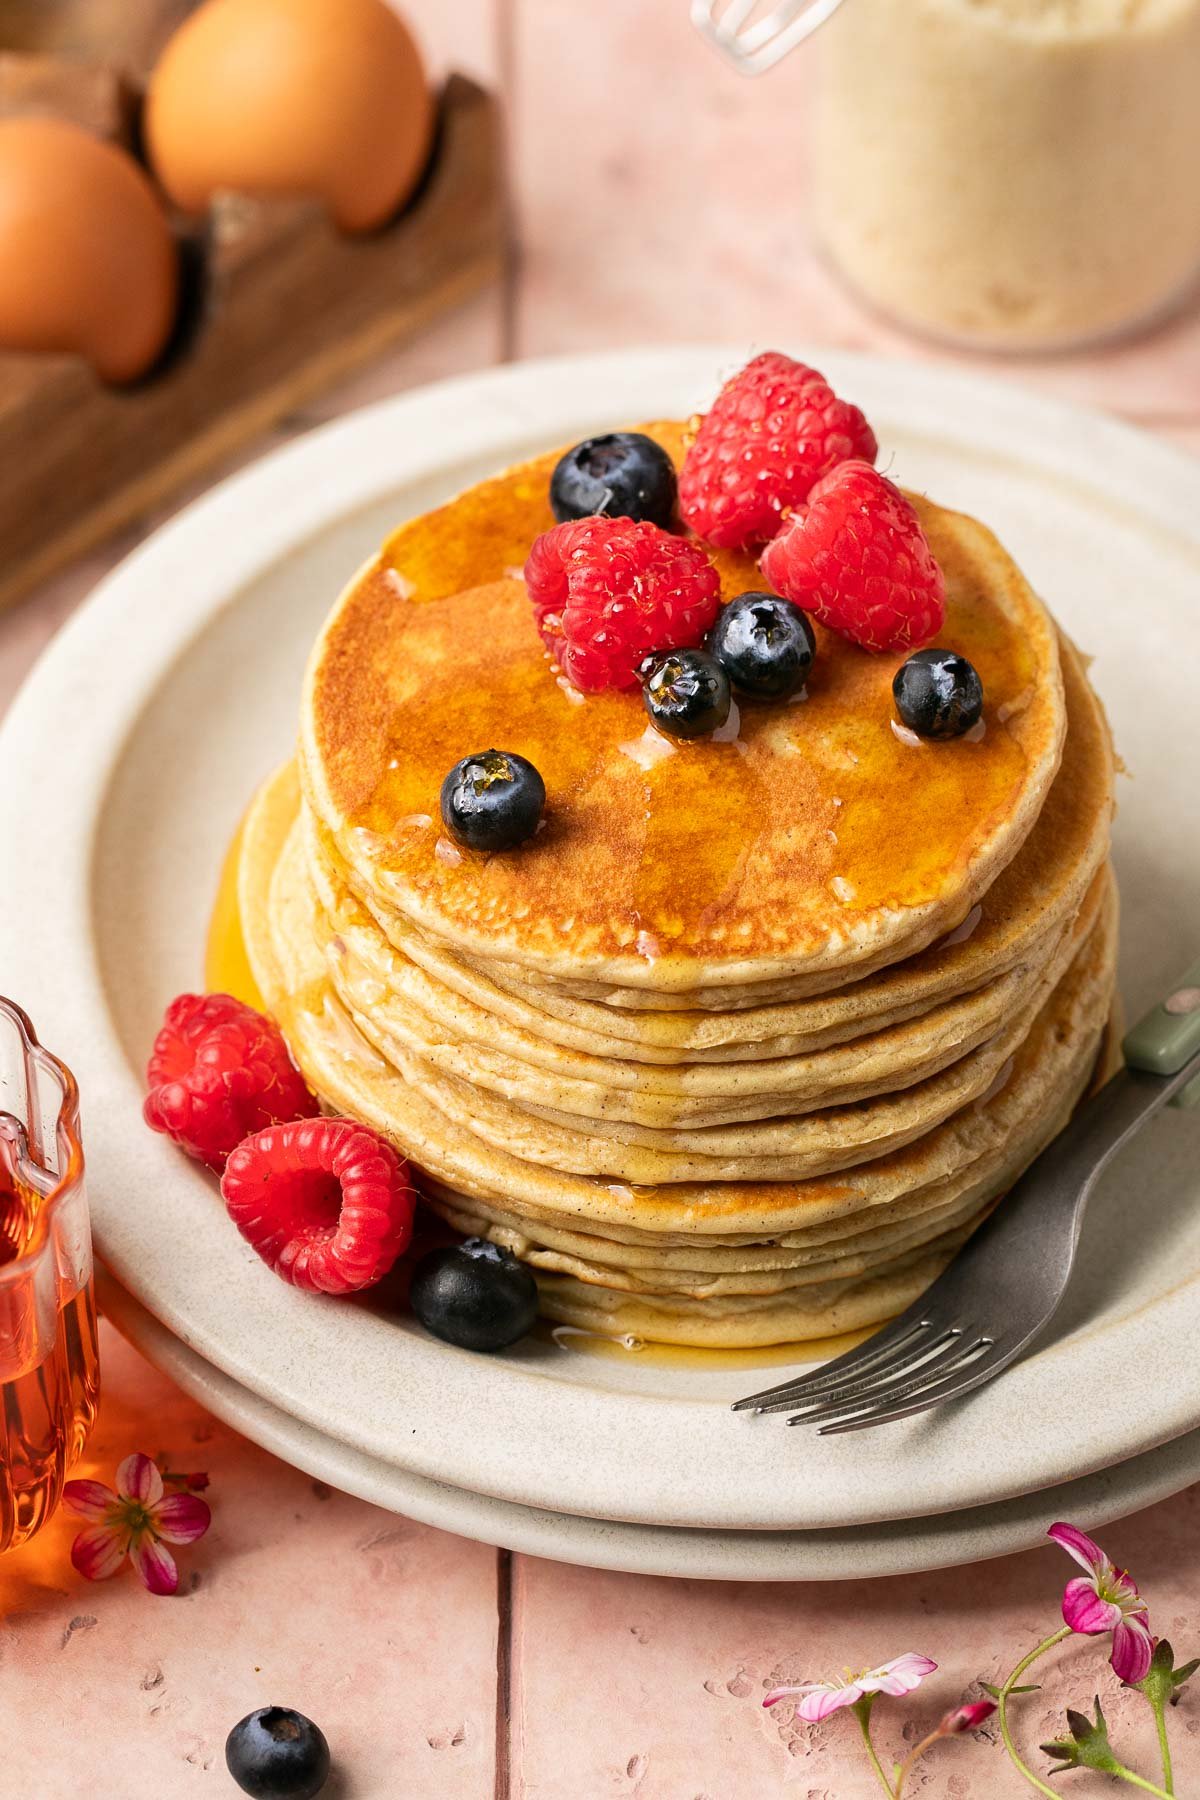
640	1352
226	965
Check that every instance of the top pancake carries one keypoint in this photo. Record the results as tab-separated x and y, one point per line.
817	840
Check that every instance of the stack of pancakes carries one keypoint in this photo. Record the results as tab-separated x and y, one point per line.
747	1040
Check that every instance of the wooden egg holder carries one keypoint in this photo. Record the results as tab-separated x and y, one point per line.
277	306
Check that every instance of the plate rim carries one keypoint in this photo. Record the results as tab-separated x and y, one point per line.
303	488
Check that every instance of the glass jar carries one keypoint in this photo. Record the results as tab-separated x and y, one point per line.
49	1372
1011	174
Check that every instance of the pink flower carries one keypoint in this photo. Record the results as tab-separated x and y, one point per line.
133	1522
966	1718
815	1700
1105	1599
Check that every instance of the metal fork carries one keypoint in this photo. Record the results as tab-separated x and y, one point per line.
1005	1285
755	44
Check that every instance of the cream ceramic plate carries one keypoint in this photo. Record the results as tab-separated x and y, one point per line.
124	766
899	1547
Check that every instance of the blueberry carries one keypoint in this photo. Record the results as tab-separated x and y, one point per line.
277	1754
686	692
623	476
764	644
475	1295
938	694
492	801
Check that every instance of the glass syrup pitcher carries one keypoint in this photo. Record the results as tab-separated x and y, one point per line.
49	1372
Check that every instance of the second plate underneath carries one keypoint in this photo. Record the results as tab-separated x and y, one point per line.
904	1547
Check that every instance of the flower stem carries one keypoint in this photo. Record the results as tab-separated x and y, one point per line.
1160	1720
1015	1756
904	1769
1124	1774
862	1712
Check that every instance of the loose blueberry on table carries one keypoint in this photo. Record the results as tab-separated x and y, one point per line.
623	475
938	694
492	801
278	1754
686	693
475	1295
765	645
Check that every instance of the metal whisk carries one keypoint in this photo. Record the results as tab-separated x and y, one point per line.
755	39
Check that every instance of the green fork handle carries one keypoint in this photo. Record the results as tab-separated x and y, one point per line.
1169	1036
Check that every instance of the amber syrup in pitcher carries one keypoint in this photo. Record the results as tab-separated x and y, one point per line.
49	1369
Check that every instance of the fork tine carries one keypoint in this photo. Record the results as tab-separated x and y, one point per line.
882	1373
970	1372
893	1337
914	1371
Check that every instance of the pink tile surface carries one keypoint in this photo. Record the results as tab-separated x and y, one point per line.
380	1629
679	1669
658	198
681	214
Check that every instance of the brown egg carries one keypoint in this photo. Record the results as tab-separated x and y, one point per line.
87	261
320	97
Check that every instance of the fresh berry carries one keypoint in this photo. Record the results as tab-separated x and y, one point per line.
492	801
765	645
686	693
608	591
857	559
624	475
475	1295
278	1754
327	1203
219	1071
938	694
773	430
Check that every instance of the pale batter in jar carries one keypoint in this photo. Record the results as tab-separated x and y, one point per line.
1015	173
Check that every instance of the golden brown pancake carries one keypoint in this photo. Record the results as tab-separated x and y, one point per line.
818	841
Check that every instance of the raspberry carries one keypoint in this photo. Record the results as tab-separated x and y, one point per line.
857	559
218	1071
773	430
608	591
326	1203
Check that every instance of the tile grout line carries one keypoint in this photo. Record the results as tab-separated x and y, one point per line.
504	1637
506	66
